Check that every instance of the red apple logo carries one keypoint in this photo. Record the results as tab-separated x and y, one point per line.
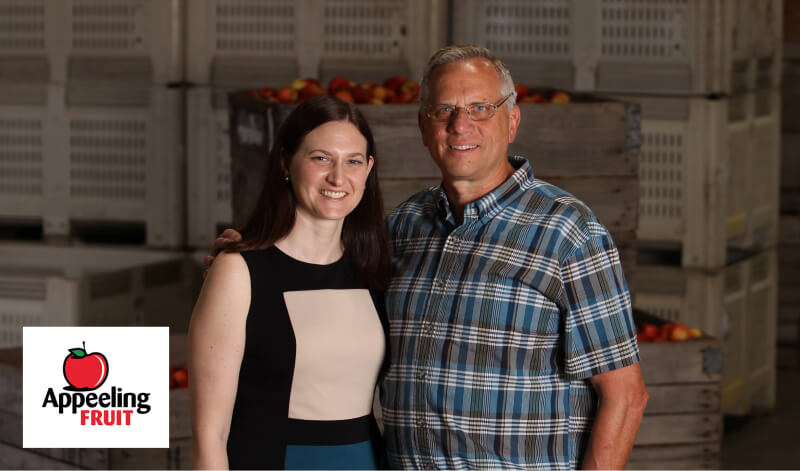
85	371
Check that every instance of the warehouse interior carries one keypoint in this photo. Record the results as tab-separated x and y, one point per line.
132	131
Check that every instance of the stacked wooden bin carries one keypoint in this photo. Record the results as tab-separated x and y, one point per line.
91	138
234	45
789	248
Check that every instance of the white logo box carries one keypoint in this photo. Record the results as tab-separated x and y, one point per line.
138	361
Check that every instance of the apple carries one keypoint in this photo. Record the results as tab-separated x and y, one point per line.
310	91
252	93
382	93
521	89
172	384
411	88
287	95
694	333
338	83
301	83
679	332
83	370
560	98
375	101
362	94
649	331
538	98
267	92
181	377
345	96
394	83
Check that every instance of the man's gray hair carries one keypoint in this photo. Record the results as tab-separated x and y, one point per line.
462	52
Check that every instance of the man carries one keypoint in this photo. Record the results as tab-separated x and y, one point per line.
509	313
512	341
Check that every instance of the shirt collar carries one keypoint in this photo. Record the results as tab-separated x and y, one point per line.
494	201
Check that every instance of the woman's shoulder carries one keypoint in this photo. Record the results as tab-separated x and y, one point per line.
229	265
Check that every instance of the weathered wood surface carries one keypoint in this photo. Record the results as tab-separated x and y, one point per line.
790	230
692	361
614	200
790	161
700	456
666	429
790	96
12	457
682	398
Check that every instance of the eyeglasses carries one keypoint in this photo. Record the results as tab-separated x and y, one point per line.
475	111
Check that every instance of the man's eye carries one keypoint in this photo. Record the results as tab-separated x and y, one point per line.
481	107
446	109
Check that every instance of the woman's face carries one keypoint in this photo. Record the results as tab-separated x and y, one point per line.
329	171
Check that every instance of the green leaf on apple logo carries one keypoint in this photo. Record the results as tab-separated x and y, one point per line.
78	352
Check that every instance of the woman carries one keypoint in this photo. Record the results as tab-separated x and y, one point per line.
286	340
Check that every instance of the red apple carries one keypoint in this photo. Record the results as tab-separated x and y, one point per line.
181	377
538	98
85	370
521	89
310	91
382	93
694	333
394	83
362	94
267	92
649	331
338	83
287	95
301	83
345	96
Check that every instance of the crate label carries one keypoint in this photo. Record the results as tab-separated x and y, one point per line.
95	387
250	128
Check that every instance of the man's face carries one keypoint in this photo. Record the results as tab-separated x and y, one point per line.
467	150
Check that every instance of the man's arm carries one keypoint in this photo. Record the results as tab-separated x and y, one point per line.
622	399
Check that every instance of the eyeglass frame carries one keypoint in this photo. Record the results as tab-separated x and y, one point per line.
495	106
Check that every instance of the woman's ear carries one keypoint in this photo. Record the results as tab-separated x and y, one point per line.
370	163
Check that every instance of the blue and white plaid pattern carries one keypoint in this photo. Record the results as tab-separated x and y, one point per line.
497	324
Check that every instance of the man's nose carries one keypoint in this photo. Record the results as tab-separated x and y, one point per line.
459	121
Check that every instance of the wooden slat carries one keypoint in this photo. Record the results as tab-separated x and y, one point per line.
579	139
680	362
18	458
790	230
790	161
679	428
701	456
790	96
682	398
11	435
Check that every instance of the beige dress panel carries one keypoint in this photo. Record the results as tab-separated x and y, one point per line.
340	348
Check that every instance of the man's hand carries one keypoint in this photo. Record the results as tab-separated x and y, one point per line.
226	241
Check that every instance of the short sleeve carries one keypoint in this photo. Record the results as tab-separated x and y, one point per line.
599	332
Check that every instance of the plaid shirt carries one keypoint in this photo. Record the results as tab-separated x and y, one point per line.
496	325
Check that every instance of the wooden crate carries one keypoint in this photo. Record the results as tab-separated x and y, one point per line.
790	165
12	455
693	47
790	95
250	43
737	305
67	164
46	285
587	147
682	425
791	29
709	173
788	298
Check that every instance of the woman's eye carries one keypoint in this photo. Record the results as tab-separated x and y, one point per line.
320	158
355	162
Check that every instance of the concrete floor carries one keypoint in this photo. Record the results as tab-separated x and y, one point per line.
769	441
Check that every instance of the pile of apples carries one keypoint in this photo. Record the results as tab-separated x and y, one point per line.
178	377
669	332
396	89
526	94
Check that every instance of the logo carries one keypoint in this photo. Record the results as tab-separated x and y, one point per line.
98	406
85	371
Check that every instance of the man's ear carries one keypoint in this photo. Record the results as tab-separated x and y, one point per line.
514	119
